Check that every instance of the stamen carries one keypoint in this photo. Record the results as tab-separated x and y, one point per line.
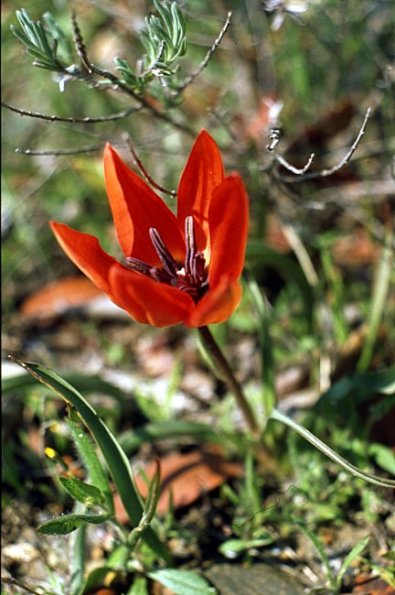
190	245
138	265
191	278
168	262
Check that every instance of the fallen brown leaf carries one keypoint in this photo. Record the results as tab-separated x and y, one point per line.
184	478
365	584
56	298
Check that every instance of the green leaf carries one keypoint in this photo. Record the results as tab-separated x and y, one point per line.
139	587
182	582
349	559
384	457
359	387
321	552
115	563
69	522
114	456
381	289
96	473
233	547
40	44
81	491
102	575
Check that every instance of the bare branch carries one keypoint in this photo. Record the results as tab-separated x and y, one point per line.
274	137
79	43
58	152
330	171
346	159
291	168
209	54
88	120
146	175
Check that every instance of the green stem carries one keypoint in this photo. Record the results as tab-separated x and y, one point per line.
223	365
331	454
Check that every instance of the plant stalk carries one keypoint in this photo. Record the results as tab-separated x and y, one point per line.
227	373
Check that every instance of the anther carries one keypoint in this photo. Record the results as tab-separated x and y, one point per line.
190	245
168	262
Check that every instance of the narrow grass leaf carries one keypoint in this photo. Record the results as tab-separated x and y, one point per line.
349	559
267	359
321	552
379	297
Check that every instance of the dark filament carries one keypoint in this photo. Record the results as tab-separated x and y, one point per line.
190	277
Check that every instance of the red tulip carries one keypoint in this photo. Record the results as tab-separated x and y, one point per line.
182	268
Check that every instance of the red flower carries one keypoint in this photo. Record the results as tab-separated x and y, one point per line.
177	269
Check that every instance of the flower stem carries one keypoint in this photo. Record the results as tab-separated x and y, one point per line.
227	373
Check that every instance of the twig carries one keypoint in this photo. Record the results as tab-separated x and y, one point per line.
274	137
92	69
206	60
79	44
328	172
58	152
141	167
295	170
88	120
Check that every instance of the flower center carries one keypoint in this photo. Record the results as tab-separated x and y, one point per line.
190	276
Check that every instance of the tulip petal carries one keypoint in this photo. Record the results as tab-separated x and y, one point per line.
228	218
217	305
148	301
85	251
203	172
135	208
